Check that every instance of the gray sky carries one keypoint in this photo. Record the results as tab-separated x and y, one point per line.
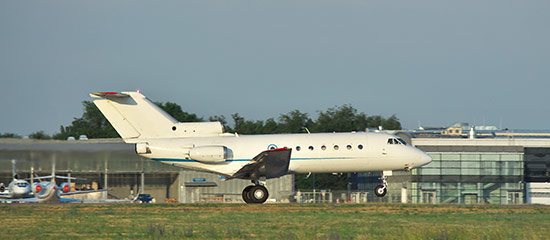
434	62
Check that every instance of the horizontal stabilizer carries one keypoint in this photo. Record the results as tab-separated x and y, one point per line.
108	95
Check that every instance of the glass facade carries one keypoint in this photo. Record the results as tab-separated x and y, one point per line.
457	174
470	178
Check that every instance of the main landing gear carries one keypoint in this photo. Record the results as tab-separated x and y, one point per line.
256	193
381	190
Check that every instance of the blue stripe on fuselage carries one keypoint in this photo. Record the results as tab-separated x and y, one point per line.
242	160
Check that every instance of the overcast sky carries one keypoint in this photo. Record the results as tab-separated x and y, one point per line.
429	62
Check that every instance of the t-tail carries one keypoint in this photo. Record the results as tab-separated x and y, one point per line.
136	118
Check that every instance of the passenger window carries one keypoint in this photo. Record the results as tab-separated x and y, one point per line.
298	148
360	147
336	147
311	148
323	148
348	147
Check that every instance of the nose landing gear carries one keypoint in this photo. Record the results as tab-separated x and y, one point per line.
256	193
381	190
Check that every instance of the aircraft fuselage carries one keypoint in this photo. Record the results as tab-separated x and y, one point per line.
316	153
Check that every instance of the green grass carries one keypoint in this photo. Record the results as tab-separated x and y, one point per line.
269	221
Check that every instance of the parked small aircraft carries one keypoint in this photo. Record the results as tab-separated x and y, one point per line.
19	190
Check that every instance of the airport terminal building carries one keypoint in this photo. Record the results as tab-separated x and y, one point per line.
495	170
489	170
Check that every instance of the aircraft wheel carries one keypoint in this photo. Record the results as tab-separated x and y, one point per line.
380	191
258	194
246	194
2	188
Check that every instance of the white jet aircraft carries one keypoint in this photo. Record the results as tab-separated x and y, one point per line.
18	188
203	146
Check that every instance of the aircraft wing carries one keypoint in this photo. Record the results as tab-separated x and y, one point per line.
68	200
83	191
56	176
20	200
269	164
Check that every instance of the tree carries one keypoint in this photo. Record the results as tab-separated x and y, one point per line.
294	122
247	126
341	119
391	123
92	124
9	135
40	135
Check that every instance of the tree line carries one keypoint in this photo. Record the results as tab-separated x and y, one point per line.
343	118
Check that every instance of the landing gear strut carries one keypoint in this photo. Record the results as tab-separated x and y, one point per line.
256	193
381	190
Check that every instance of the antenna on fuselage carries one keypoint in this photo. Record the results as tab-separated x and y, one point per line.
307	130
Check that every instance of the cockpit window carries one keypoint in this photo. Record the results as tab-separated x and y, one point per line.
402	141
396	141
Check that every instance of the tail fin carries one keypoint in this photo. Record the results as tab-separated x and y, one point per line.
135	118
13	170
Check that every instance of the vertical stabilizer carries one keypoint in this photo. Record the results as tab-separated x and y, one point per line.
134	116
13	169
137	119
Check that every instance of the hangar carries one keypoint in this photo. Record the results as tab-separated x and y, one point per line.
112	164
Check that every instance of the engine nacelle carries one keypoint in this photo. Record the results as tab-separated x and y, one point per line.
37	188
209	154
65	187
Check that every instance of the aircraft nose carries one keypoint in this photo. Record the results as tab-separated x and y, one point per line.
424	159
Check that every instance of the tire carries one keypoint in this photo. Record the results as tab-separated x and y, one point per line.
380	191
258	194
246	194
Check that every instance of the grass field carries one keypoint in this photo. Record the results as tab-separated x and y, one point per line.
273	221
